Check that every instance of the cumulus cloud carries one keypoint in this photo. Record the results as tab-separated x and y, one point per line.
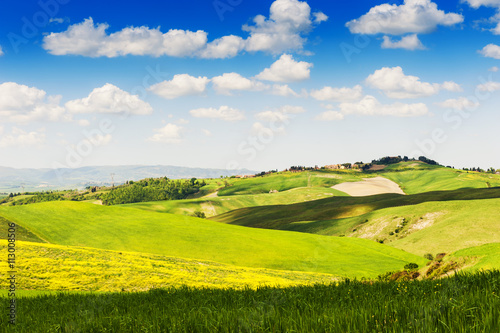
282	114
459	104
288	21
228	82
491	51
170	133
19	137
329	116
320	17
395	84
206	132
338	94
180	85
410	42
489	86
224	47
109	99
370	106
414	16
20	103
493	69
83	122
89	39
224	113
286	69
283	90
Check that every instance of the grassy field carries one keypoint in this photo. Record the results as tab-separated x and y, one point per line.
440	179
462	304
484	257
284	181
54	267
430	227
129	229
280	216
218	205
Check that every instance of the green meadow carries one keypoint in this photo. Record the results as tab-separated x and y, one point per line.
279	252
129	229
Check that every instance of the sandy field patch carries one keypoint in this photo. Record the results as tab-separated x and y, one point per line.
369	186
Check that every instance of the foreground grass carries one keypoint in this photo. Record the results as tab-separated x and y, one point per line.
135	230
462	303
61	268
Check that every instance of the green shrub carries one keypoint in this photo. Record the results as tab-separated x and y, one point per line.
411	266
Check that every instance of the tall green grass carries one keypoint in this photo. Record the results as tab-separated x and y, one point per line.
463	303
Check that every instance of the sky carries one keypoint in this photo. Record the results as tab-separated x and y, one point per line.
237	84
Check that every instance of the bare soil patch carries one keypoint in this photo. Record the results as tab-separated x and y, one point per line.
369	186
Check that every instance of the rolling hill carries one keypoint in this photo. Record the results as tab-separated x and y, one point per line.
128	229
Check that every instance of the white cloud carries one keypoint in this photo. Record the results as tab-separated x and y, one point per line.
489	86
284	30
224	47
410	42
206	132
83	122
288	21
180	85
92	40
224	113
491	51
458	104
109	99
20	103
329	116
494	69
170	133
286	69
488	3
478	3
1	51
370	106
56	19
183	121
414	16
283	90
282	114
395	84
338	94
320	17
19	137
228	82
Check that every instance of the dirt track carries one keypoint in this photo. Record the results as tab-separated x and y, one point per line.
369	186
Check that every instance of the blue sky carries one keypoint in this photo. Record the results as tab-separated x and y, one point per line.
248	84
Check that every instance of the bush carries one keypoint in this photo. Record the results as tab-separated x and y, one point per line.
428	256
411	266
199	214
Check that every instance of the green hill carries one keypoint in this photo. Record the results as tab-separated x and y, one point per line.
218	205
426	178
129	229
279	216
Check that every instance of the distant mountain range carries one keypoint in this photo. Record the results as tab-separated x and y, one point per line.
20	180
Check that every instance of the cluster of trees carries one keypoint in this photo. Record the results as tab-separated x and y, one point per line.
396	159
152	189
478	169
39	197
